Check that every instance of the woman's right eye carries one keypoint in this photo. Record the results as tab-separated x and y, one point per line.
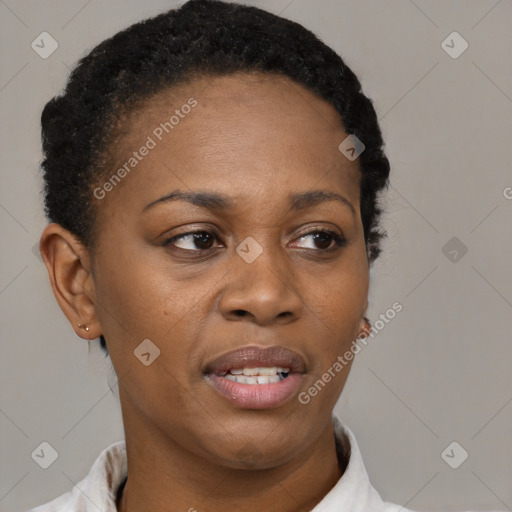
194	241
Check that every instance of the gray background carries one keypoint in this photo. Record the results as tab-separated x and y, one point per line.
438	372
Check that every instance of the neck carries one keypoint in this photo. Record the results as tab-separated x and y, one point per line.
162	475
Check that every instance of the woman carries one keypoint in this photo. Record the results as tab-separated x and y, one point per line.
212	179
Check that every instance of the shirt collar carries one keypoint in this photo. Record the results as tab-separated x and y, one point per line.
353	491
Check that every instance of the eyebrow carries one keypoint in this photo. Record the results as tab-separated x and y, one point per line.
215	201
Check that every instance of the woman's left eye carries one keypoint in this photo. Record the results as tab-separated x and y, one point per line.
324	240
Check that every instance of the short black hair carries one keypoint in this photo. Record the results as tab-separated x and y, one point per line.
201	37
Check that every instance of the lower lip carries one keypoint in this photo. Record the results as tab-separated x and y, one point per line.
256	396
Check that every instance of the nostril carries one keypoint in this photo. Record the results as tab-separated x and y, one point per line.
239	312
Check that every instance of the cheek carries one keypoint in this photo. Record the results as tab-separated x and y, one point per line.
143	297
336	310
336	305
140	300
340	295
138	289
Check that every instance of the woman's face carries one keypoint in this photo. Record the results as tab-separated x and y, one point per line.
264	271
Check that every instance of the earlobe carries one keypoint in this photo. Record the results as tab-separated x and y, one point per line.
365	323
365	328
68	264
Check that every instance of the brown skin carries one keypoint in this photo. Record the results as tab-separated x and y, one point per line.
257	139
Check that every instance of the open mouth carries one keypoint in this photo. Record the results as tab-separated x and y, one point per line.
257	378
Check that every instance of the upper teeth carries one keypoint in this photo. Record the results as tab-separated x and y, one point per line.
269	375
274	370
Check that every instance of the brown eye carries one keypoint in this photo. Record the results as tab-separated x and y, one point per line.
193	241
323	240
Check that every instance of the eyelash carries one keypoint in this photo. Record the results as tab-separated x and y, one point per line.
339	240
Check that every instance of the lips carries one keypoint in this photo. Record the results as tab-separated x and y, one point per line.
255	357
273	376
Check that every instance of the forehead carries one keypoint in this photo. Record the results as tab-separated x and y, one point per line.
250	131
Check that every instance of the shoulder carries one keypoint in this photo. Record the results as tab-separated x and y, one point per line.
97	488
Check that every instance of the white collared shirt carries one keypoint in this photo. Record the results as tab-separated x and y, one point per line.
98	490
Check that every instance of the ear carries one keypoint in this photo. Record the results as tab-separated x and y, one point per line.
68	264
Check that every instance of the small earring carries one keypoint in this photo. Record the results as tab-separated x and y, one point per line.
85	327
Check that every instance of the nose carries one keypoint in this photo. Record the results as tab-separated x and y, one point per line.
263	292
